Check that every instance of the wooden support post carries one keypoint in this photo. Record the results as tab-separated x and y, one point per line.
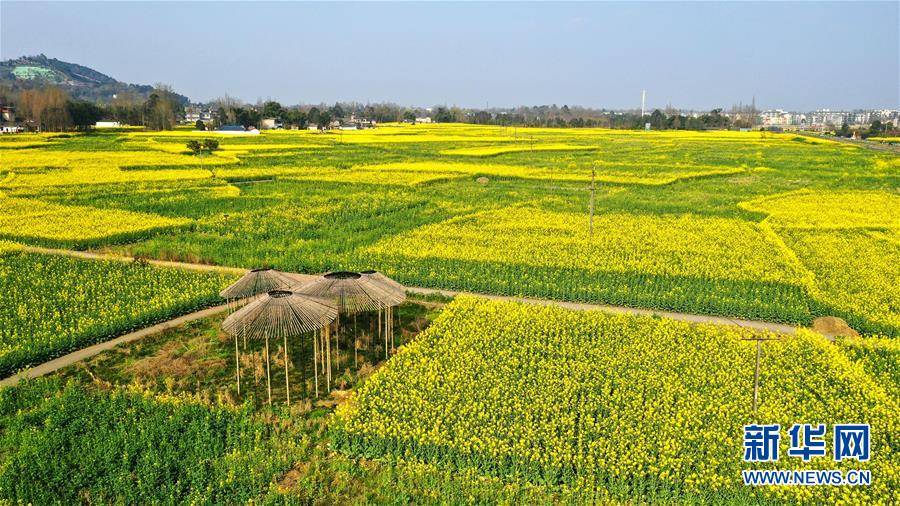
237	364
328	349
756	376
287	382
591	226
759	341
268	371
316	360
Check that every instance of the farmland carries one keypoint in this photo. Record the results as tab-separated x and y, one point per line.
747	224
526	393
484	401
55	304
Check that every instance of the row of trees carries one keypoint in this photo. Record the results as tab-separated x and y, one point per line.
876	129
50	108
230	111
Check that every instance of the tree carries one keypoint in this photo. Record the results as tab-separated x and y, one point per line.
657	120
442	115
45	108
199	125
313	116
199	147
272	109
83	114
337	111
844	131
409	116
324	120
161	108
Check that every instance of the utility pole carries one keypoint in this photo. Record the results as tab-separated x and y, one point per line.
591	226
759	341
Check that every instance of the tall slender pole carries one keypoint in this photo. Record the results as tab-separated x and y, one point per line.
316	359
328	347
237	364
287	382
756	376
591	227
268	371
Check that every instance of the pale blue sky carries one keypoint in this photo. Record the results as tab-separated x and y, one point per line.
692	55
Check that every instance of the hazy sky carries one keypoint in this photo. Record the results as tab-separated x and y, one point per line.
693	55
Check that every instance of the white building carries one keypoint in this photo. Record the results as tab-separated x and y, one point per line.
271	124
775	117
107	124
425	119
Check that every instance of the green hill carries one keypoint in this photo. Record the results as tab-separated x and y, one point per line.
80	82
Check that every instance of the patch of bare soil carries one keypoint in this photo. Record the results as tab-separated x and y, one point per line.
177	360
832	326
292	477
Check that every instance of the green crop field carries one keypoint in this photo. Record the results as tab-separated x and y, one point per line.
483	401
756	225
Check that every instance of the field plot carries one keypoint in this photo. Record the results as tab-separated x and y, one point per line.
689	263
557	397
72	226
728	223
51	304
131	446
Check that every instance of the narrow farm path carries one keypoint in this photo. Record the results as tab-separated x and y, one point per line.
90	351
84	353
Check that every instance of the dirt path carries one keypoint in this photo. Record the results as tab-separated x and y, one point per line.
76	356
90	351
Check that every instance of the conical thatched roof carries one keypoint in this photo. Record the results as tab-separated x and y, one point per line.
256	282
281	313
352	291
394	287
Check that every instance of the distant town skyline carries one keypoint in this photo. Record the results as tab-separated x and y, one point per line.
793	56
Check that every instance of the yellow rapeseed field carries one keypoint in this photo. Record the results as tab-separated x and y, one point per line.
641	407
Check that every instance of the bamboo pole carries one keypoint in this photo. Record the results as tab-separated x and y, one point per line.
268	371
237	364
316	359
287	382
328	347
756	377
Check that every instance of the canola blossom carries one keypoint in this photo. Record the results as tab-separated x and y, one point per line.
746	224
52	304
689	263
642	407
57	225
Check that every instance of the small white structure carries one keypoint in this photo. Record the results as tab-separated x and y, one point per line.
425	119
107	124
312	127
11	129
271	124
237	130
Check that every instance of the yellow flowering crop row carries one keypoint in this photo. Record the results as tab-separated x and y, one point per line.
649	409
499	150
855	272
33	220
830	210
42	167
879	356
52	304
683	262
